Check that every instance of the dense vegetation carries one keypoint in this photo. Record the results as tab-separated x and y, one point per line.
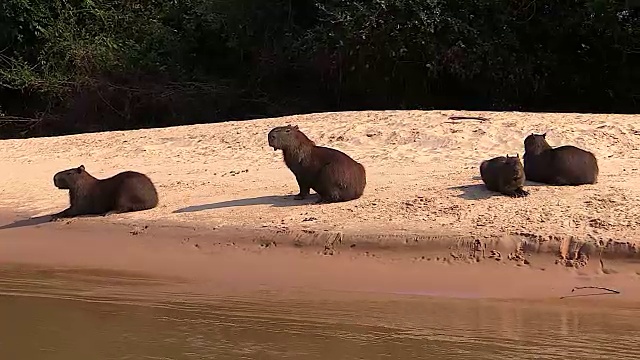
71	66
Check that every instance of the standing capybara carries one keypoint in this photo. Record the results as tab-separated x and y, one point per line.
504	174
331	173
125	192
564	165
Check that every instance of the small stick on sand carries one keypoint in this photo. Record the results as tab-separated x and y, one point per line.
610	291
595	287
454	118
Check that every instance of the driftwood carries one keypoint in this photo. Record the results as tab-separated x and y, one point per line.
455	119
610	291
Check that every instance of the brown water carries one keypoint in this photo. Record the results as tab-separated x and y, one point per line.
70	315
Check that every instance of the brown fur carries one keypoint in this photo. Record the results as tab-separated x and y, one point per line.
329	172
564	165
504	175
125	192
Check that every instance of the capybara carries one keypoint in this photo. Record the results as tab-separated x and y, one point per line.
124	192
564	165
504	174
331	173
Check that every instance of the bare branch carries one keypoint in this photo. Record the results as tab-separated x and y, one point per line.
610	291
456	118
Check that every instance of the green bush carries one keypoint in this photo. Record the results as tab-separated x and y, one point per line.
84	66
482	53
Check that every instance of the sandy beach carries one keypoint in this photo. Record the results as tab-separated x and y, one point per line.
221	263
424	197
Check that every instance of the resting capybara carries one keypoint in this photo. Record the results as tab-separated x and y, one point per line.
125	192
564	165
504	174
331	173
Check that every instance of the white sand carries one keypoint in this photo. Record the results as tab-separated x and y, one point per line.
422	174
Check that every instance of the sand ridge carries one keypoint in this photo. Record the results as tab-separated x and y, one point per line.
422	174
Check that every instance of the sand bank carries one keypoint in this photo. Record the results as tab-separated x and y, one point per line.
423	181
220	262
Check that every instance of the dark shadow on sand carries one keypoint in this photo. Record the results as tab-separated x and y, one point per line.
38	220
276	201
474	192
533	183
526	183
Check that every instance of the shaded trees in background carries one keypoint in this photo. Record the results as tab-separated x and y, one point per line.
80	66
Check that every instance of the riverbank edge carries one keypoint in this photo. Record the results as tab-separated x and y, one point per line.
568	250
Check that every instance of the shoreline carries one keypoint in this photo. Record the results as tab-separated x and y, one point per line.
226	261
226	198
565	249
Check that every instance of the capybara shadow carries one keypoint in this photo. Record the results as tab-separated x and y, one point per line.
505	175
127	191
474	192
275	201
532	183
333	175
34	221
564	165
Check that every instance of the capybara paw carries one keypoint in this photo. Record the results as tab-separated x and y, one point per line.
521	193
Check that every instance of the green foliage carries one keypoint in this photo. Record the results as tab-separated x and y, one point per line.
81	64
506	53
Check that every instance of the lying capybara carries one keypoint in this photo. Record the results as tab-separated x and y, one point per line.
504	174
331	173
564	165
124	192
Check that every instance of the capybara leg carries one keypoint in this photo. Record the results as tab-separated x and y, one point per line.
301	195
304	189
67	213
112	212
328	197
322	200
559	181
520	192
128	203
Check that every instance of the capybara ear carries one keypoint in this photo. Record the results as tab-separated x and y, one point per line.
544	135
518	155
507	156
80	169
295	127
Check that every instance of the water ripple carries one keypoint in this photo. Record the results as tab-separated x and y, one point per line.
69	315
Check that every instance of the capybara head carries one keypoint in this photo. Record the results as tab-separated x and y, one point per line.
67	178
287	137
514	166
536	143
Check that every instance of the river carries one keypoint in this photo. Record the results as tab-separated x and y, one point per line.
68	315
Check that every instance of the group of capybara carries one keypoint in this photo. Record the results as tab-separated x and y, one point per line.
564	165
332	174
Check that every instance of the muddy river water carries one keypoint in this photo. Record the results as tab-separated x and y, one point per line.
69	315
